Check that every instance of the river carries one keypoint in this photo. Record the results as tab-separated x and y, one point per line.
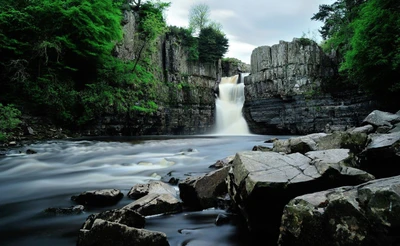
30	183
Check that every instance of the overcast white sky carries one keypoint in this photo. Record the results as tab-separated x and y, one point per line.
252	23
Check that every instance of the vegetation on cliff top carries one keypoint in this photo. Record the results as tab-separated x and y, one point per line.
56	59
204	38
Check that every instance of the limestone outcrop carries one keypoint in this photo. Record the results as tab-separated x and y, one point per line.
283	93
366	214
262	183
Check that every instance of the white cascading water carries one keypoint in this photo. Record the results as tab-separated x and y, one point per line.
229	104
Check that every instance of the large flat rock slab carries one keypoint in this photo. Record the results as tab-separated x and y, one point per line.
262	183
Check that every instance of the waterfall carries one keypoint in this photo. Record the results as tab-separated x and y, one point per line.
229	104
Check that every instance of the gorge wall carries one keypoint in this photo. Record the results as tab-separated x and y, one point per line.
185	94
284	91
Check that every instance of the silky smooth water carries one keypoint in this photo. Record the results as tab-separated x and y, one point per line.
229	104
31	183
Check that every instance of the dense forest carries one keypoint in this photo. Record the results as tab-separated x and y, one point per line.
365	35
57	57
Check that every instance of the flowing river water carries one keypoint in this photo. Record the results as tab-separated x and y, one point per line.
30	183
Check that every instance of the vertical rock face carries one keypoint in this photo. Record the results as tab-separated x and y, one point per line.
284	95
185	96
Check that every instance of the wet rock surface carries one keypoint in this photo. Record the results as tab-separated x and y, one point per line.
366	214
108	233
200	192
98	197
261	183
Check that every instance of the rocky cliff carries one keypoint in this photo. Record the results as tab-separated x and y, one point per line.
186	99
284	91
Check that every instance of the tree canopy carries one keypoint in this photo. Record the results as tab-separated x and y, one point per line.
366	36
56	58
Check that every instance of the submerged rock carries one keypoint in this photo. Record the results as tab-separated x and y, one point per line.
78	209
109	233
99	197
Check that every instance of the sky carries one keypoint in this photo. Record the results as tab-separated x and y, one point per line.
252	23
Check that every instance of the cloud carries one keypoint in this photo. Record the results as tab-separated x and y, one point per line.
249	24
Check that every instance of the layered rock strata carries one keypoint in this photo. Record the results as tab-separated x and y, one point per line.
284	91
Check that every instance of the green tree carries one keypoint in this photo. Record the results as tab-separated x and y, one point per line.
374	58
199	17
336	29
9	120
212	45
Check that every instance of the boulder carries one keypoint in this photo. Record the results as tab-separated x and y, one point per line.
362	129
78	209
223	162
355	141
381	156
203	191
110	233
157	187
367	214
261	148
99	197
396	128
379	118
262	183
153	203
126	217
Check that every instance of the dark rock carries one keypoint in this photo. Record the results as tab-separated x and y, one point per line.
355	141
29	131
99	197
153	203
262	183
261	148
301	144
222	219
366	214
362	129
202	192
30	152
223	162
110	233
381	156
396	128
379	118
157	187
271	140
65	211
125	216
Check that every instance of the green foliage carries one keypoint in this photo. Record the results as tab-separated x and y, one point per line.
56	58
232	60
374	58
336	29
187	40
9	120
212	45
199	17
305	41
